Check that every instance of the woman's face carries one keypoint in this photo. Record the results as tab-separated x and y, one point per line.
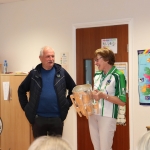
100	63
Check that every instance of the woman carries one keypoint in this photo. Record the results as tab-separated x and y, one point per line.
110	91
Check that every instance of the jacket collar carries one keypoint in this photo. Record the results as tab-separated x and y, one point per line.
56	66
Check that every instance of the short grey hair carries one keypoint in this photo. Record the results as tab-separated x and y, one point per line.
49	142
44	48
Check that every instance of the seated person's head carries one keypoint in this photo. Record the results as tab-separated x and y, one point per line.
49	143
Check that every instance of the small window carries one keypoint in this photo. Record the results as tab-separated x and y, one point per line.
88	71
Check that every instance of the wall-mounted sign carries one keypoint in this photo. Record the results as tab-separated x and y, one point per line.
64	60
110	43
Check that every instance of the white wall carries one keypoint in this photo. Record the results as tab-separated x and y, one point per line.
26	26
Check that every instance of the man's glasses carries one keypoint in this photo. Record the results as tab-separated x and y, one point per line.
97	59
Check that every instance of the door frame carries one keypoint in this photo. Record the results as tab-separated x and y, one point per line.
128	21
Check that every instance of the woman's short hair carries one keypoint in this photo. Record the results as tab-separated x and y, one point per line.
49	143
106	54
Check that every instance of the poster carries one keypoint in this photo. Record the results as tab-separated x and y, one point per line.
144	76
64	60
110	43
123	67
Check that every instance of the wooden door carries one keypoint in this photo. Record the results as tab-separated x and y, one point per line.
87	41
16	128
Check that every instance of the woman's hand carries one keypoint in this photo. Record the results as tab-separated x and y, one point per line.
97	94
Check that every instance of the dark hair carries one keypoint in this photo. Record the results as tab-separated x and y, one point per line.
106	54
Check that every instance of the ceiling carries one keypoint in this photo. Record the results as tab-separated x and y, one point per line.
8	1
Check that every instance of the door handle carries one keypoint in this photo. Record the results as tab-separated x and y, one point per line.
10	94
1	126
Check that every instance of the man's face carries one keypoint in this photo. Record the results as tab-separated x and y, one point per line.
48	58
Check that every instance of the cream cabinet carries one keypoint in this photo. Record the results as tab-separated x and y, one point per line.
16	130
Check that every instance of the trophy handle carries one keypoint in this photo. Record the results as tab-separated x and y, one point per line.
75	105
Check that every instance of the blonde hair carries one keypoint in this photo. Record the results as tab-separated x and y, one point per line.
49	143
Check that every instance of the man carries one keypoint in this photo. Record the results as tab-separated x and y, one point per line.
48	102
